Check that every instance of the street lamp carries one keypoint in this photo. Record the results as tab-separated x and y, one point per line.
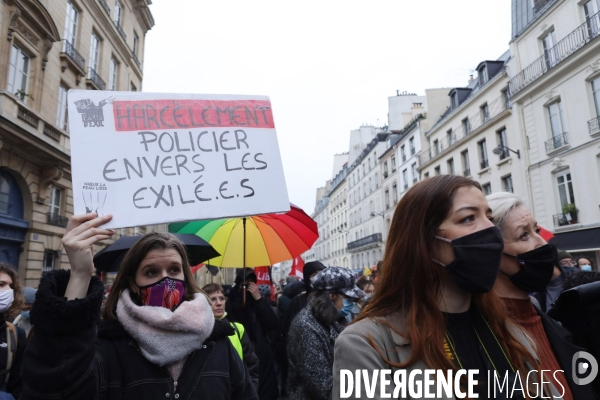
502	150
376	213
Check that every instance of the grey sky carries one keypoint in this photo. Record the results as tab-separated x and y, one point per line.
328	66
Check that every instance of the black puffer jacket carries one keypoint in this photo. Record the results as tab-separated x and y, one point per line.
70	357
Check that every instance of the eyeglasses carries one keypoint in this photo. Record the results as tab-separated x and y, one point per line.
566	263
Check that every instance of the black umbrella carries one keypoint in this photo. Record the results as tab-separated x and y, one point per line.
109	259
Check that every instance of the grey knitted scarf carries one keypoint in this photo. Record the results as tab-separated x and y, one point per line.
166	337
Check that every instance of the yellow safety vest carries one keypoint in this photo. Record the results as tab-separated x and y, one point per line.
236	338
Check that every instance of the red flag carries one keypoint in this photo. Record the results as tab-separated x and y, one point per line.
545	234
196	267
263	277
297	267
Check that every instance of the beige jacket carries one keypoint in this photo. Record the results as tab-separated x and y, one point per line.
353	351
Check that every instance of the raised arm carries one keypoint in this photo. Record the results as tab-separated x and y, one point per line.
82	232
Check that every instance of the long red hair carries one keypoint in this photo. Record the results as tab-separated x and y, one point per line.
410	282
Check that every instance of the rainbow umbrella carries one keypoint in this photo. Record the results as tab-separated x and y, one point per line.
257	240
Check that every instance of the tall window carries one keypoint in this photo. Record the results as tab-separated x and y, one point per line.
112	78
437	170
555	112
18	73
4	194
49	258
592	20
61	113
450	163
483	158
376	180
387	199
596	94
450	137
465	163
454	100
507	184
393	163
72	17
436	147
405	178
502	141
136	40
118	13
485	113
487	189
565	189
411	144
94	54
548	43
54	205
395	193
403	153
385	169
413	169
466	126
134	89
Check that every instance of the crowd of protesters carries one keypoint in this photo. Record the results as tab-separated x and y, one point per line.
467	282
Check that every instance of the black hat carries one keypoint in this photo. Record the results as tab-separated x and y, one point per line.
310	268
250	276
337	280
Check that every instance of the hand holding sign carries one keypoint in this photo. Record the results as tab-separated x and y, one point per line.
159	158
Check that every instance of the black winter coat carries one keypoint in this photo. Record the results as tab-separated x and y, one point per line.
541	296
14	384
258	319
70	357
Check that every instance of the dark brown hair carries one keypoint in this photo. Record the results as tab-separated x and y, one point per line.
133	259
410	282
18	301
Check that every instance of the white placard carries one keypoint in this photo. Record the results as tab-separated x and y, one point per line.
149	158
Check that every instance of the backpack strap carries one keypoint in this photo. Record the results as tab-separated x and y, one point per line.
11	341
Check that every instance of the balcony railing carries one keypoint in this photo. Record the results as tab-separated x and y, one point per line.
566	219
556	142
57	220
484	164
136	59
367	241
467	172
105	6
476	121
553	56
73	54
27	116
95	78
594	125
121	31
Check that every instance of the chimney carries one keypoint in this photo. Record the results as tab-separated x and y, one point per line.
471	79
397	92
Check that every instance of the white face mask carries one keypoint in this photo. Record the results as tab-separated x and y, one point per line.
6	299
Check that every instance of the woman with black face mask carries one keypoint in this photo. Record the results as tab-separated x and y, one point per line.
158	338
434	308
527	266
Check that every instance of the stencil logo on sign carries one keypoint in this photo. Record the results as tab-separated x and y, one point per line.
92	115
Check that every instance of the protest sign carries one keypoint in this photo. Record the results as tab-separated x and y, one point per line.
151	158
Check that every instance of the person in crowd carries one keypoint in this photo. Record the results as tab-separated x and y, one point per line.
311	269
375	271
580	278
265	293
158	337
313	334
564	268
13	338
585	264
527	266
240	340
366	284
433	307
259	319
22	320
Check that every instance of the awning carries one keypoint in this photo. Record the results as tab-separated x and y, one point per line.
582	240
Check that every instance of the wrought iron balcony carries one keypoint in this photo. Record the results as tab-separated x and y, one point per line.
137	60
594	125
556	142
366	242
57	220
485	163
70	51
95	79
566	219
467	172
553	56
105	6
121	31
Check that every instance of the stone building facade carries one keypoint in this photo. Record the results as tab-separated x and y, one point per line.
48	47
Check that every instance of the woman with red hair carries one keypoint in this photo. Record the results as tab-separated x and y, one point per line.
433	308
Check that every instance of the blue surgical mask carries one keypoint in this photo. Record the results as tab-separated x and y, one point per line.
586	267
348	304
25	314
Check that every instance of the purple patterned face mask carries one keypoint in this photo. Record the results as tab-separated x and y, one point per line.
167	293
